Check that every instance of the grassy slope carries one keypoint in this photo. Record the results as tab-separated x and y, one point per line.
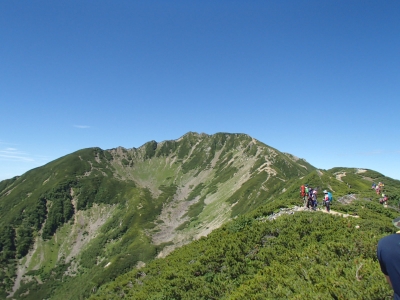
231	169
306	255
222	176
119	244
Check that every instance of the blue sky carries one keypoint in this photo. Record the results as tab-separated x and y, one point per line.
317	79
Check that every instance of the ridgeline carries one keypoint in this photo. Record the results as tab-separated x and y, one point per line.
92	223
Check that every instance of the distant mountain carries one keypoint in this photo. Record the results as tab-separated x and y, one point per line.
92	215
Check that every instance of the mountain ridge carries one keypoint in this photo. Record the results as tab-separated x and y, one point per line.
99	213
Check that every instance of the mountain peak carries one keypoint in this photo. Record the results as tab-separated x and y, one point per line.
105	211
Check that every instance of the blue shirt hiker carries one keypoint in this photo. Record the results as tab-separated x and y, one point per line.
388	253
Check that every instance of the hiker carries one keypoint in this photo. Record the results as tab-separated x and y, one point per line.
378	190
309	199
306	195
303	192
388	253
327	200
373	186
384	199
314	198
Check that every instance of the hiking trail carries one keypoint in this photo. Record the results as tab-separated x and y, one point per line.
291	211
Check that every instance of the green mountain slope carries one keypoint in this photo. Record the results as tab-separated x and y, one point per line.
80	221
299	255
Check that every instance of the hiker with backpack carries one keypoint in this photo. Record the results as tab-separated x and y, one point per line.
314	198
303	193
384	199
309	199
378	190
306	189
327	200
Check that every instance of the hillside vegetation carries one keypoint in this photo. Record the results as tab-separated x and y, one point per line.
303	255
80	221
91	223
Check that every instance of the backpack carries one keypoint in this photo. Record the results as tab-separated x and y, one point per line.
330	196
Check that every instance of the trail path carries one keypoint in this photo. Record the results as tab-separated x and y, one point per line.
291	211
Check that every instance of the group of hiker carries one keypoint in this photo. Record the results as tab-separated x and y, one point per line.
378	189
388	250
309	196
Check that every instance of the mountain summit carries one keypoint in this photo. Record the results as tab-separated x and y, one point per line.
82	220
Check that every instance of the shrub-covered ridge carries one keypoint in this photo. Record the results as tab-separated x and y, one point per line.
307	255
79	222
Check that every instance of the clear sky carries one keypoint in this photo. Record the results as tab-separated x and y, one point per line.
317	79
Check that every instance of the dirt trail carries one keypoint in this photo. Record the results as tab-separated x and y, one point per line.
291	211
340	175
